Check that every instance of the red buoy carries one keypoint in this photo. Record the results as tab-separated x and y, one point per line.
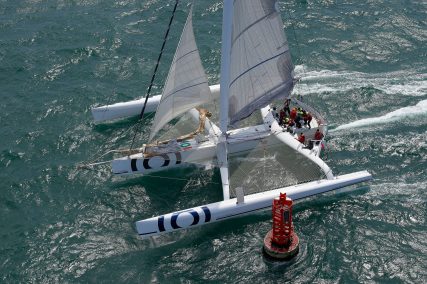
281	242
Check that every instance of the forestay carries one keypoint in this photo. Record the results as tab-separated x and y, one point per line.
261	66
186	86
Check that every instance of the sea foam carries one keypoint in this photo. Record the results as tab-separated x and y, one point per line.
408	83
410	111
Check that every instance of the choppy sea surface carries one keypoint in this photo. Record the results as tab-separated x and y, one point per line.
364	65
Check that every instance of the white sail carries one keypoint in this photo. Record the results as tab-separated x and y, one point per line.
186	86
261	69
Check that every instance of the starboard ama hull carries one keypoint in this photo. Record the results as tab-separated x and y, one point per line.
228	209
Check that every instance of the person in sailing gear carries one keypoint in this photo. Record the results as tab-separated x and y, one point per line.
281	117
318	136
310	145
286	107
203	114
291	125
293	114
301	138
298	118
275	114
307	119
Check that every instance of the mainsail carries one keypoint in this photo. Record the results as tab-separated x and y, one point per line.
186	85
261	69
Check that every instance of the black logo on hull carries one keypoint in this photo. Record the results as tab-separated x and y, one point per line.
173	219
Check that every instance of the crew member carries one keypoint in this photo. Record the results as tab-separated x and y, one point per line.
309	118
291	125
318	135
298	122
281	116
293	113
301	138
286	106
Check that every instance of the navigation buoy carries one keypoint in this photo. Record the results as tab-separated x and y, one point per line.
281	242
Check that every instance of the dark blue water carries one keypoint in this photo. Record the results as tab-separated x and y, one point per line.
364	67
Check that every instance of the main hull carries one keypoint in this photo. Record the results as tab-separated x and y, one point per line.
188	152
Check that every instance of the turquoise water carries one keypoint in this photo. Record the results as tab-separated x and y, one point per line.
364	66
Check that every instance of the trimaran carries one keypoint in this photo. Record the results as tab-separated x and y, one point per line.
256	70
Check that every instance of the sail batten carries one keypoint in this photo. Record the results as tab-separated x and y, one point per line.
250	26
253	67
183	56
261	65
186	86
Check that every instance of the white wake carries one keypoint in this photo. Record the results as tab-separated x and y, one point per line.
410	111
400	82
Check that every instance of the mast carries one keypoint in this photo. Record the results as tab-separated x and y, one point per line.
227	21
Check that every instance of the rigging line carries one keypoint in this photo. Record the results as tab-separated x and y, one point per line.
154	73
214	133
172	178
96	156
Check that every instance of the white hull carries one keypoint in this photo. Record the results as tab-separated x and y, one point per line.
190	152
132	108
288	139
125	109
227	209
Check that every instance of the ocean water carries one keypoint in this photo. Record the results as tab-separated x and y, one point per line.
364	65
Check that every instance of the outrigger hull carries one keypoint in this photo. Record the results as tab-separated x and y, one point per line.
228	209
124	109
132	108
